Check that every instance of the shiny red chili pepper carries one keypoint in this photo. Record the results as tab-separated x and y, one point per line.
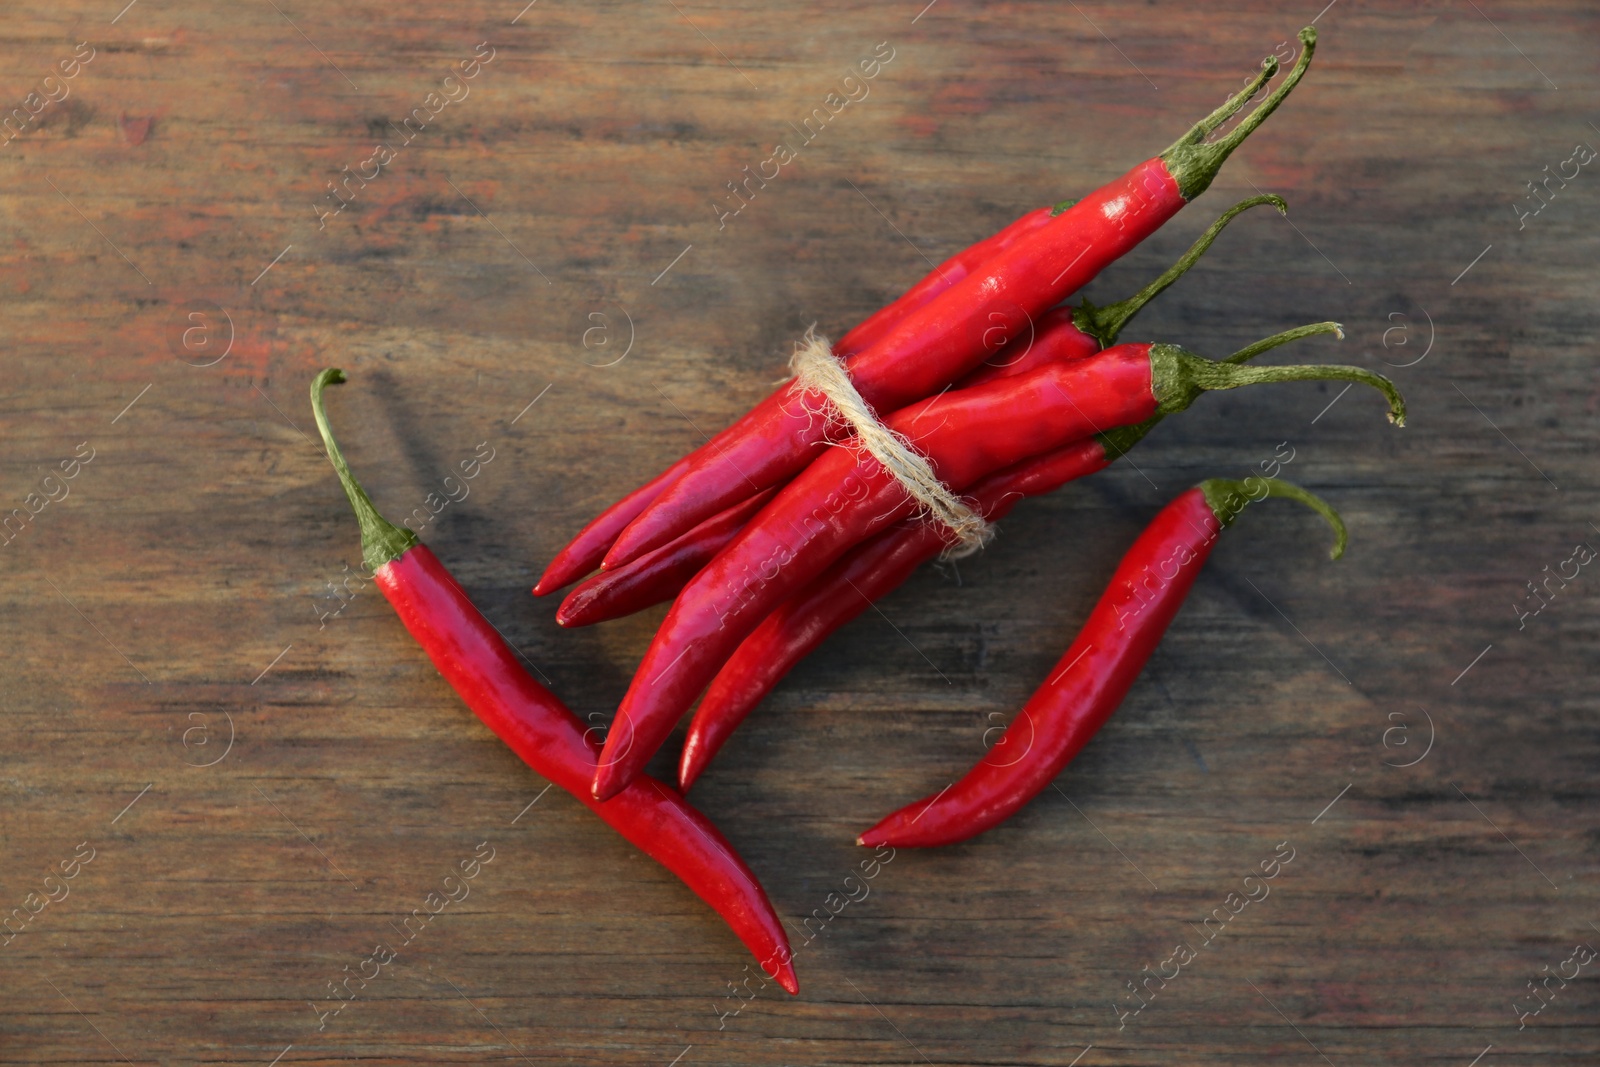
585	551
655	577
482	668
941	341
845	496
878	566
1090	680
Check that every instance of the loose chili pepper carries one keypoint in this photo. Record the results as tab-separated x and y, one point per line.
1090	680
586	551
469	652
844	497
878	566
1063	333
655	577
946	338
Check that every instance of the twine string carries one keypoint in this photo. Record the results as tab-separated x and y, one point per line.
816	369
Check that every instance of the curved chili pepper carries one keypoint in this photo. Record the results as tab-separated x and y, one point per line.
1090	680
655	577
472	656
844	497
586	551
879	565
946	338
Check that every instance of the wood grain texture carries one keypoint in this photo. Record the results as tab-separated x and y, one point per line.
174	600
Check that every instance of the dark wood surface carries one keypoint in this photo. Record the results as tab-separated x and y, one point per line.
299	783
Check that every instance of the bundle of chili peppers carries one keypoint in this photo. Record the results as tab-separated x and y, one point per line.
789	523
756	535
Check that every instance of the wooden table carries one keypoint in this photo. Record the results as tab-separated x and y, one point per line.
253	780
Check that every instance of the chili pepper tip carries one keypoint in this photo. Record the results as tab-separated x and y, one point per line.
1227	497
381	540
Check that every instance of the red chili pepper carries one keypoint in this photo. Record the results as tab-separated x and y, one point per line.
586	551
482	668
1091	679
844	497
948	337
655	577
878	566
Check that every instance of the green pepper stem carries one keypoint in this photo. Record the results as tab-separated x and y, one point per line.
1117	442
1193	162
1266	344
381	540
1230	107
1227	497
1105	323
1177	377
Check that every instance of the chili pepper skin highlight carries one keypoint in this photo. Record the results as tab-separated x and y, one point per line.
879	565
951	335
1086	686
483	670
843	498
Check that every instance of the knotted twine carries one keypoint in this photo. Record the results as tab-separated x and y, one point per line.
817	369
